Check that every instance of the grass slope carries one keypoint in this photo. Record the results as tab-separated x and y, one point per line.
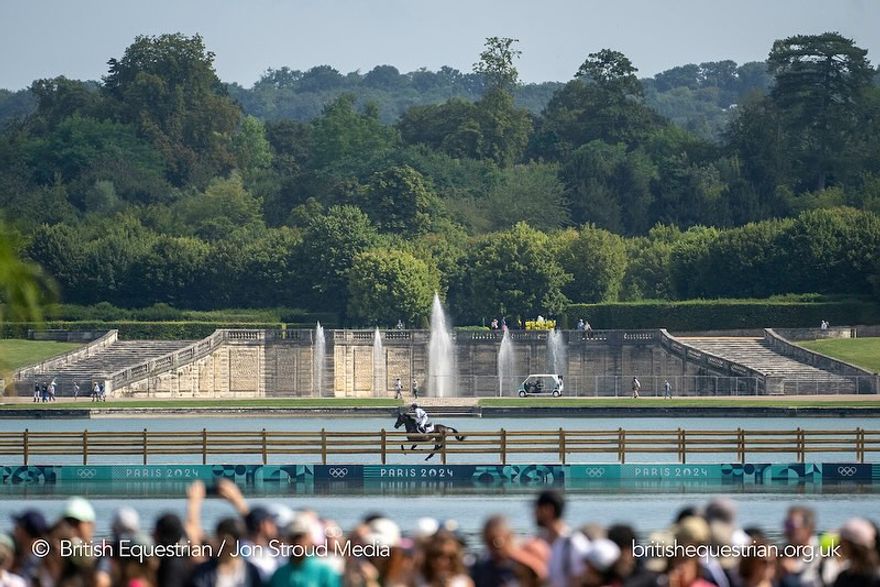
16	353
864	352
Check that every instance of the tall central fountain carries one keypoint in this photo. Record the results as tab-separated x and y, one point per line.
556	352
319	350
441	354
506	365
378	365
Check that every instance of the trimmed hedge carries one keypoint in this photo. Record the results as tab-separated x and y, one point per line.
695	315
105	312
134	330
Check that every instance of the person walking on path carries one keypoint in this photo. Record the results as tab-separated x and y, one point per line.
667	390
415	388
636	386
398	389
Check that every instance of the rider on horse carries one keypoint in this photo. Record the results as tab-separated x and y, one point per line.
422	419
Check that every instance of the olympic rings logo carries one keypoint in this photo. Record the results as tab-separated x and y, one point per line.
846	471
86	473
595	472
338	472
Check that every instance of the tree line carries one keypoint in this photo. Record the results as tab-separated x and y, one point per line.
155	186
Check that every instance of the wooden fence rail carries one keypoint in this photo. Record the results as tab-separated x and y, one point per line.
562	444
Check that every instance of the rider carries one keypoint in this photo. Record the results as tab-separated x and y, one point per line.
421	416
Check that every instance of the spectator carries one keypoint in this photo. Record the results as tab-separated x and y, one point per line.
858	547
567	548
444	565
800	531
759	568
600	560
224	569
172	571
588	330
29	526
261	531
628	569
7	558
415	388
80	517
303	566
504	563
636	386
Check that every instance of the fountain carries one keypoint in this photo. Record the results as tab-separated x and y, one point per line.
506	365
378	365
556	352
319	350
441	353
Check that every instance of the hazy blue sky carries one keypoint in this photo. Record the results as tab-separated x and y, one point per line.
44	38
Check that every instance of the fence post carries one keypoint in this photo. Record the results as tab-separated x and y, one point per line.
26	442
204	446
741	445
562	449
443	448
144	439
621	445
323	446
860	445
682	448
85	447
265	448
801	448
384	448
503	446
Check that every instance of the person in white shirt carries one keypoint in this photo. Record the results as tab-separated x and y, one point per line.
568	548
422	419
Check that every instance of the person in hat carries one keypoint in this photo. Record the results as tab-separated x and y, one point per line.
80	516
29	526
422	419
858	547
304	567
261	531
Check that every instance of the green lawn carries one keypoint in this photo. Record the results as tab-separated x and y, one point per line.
16	353
292	403
864	352
691	402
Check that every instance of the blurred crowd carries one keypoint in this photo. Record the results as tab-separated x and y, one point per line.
275	546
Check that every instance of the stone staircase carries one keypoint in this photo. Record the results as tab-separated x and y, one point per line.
118	355
756	354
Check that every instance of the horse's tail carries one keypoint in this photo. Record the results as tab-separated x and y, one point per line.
459	437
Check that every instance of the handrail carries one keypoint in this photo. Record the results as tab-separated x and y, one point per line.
52	363
195	351
559	444
689	352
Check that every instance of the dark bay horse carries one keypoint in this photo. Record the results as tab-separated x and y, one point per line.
437	436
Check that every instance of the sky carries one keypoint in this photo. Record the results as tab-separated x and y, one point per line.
75	38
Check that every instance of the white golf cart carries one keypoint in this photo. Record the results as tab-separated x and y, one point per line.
541	384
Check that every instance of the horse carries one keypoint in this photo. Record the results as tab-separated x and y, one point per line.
438	435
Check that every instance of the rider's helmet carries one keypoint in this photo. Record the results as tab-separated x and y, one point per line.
414	405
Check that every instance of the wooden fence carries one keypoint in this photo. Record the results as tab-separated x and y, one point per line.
562	444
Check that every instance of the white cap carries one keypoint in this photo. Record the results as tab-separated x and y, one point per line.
126	521
602	554
383	532
426	527
79	509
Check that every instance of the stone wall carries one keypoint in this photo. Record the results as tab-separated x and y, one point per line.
282	366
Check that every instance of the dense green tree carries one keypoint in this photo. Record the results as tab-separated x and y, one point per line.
529	193
596	259
512	273
343	132
223	208
610	187
387	285
818	82
330	244
167	87
399	200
